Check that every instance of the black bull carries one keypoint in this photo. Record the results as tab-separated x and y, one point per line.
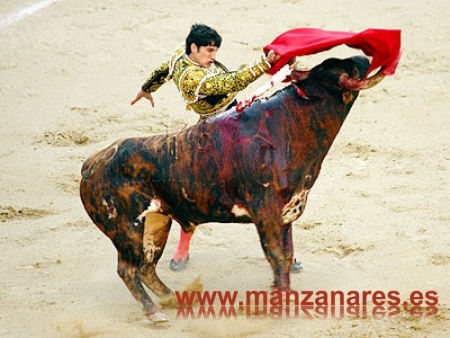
255	166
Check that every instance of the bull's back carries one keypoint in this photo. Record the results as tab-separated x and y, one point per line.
127	161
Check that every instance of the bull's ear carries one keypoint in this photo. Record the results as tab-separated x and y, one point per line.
299	75
347	96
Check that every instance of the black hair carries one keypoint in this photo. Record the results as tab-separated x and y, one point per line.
202	35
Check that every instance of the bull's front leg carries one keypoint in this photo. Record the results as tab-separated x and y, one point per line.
276	241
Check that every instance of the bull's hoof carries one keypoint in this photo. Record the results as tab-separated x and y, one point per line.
296	266
158	317
179	265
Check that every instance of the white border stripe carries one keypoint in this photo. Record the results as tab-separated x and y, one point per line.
25	12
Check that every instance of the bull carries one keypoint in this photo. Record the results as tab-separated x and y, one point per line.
251	166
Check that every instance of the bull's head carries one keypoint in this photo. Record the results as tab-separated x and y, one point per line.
354	81
345	76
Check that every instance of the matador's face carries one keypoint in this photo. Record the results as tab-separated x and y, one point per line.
203	55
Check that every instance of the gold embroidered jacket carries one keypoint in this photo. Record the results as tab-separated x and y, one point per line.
207	91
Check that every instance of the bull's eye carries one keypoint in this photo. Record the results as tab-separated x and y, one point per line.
355	73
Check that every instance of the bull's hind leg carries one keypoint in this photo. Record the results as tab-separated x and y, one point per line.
156	232
130	275
128	242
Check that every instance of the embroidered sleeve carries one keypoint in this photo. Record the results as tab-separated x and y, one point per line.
157	78
229	82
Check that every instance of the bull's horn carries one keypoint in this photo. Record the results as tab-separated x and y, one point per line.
347	82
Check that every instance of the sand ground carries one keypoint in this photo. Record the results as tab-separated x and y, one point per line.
377	219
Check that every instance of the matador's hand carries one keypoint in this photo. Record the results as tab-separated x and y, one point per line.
141	94
272	56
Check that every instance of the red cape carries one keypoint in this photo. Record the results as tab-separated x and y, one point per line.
383	45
